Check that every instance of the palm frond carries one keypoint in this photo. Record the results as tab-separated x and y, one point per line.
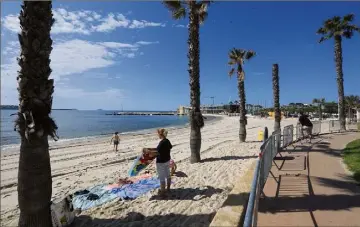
352	27
176	8
349	18
336	19
231	72
250	54
202	8
202	17
233	54
322	31
232	62
179	14
173	5
348	34
324	38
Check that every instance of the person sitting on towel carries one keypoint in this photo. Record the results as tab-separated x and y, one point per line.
163	161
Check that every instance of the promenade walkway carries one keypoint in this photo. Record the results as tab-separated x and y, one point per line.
312	187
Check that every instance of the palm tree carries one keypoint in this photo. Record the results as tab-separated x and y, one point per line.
338	28
34	123
352	102
276	90
197	12
238	57
320	102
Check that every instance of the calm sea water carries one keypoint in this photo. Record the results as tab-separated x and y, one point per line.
75	124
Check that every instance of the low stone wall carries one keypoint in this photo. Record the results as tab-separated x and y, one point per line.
233	210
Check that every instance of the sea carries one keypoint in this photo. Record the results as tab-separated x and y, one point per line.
81	123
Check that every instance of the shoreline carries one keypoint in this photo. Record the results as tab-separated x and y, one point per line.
77	166
10	148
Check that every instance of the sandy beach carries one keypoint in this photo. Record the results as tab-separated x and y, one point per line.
199	190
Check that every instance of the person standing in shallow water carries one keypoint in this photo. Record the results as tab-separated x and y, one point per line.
163	158
116	139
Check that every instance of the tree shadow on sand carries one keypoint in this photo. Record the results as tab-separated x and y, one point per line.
194	194
135	219
226	158
180	174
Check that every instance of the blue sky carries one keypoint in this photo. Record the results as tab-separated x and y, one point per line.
111	55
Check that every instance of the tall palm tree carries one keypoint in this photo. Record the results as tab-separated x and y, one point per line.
352	102
197	13
238	58
276	91
339	28
34	123
320	102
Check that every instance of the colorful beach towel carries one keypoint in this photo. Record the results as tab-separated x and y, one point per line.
126	181
140	163
96	196
132	191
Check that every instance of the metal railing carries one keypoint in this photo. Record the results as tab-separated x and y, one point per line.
268	151
298	133
334	125
316	127
288	135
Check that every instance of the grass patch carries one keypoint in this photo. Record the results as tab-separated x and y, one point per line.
352	158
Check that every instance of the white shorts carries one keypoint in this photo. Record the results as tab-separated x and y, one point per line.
163	171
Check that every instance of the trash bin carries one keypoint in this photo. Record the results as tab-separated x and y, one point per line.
261	135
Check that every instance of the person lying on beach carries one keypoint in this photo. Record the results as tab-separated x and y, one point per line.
163	158
116	139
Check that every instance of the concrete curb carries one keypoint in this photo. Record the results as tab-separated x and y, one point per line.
233	210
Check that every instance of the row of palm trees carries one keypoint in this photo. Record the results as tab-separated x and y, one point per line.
350	102
35	95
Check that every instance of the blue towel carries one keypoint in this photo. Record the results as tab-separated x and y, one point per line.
132	191
81	201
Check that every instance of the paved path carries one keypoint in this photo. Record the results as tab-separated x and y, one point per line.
314	188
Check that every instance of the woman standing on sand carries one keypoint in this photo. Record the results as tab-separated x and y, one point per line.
116	139
163	161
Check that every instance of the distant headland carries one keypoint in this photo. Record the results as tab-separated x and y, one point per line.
13	107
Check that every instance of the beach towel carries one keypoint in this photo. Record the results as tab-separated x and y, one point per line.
97	196
126	181
132	191
140	163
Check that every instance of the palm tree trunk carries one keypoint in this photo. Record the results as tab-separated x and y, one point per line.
196	120
340	81
241	90
34	124
34	183
275	80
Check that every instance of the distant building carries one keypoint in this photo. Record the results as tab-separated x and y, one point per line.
183	110
216	109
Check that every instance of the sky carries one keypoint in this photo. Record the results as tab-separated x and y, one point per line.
133	55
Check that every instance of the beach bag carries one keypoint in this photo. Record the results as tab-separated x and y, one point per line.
62	212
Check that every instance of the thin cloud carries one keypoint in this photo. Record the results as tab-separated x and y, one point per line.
179	26
147	43
83	22
68	58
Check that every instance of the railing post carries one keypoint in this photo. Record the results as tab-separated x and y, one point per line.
266	133
250	206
